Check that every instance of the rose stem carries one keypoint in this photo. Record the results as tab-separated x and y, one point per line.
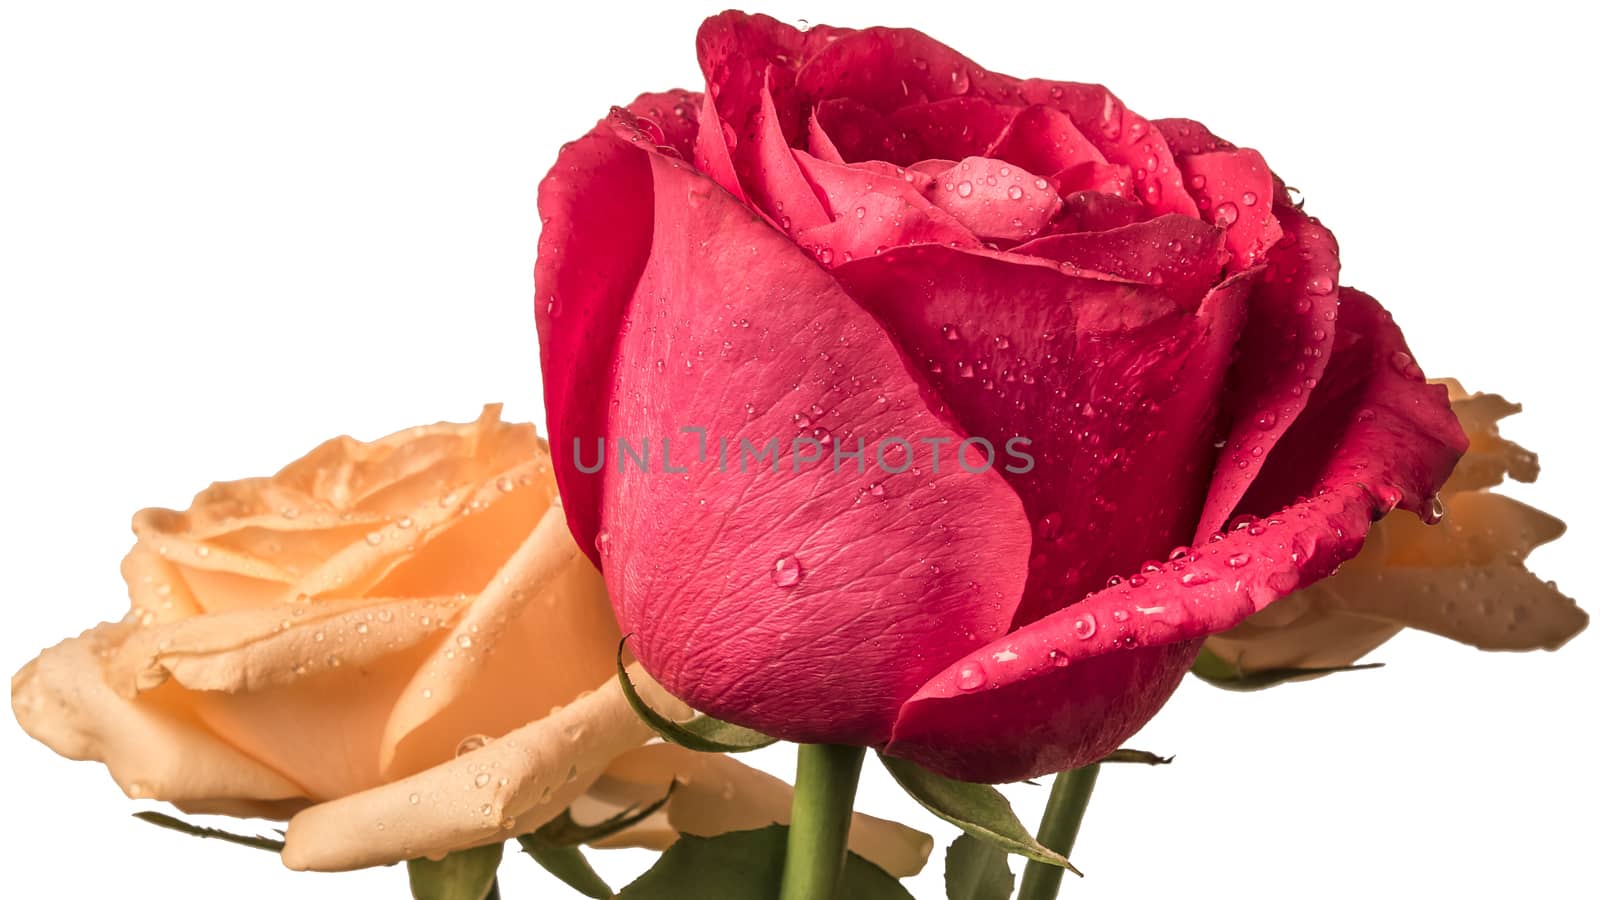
824	796
1069	797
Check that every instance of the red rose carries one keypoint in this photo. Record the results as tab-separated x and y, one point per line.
863	239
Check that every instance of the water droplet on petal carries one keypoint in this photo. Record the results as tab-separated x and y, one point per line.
786	571
1435	512
971	676
1084	627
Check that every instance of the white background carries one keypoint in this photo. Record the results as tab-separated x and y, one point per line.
228	231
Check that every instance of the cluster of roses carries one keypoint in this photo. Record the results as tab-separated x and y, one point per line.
409	648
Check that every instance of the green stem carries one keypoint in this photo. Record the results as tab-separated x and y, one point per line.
1069	797
819	826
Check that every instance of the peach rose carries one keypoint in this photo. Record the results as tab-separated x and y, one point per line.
1463	578
399	645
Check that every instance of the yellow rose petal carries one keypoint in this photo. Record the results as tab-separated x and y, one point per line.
508	786
718	794
154	747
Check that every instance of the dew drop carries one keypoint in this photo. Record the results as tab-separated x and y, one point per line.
971	676
786	571
1405	365
1084	627
1435	511
1225	215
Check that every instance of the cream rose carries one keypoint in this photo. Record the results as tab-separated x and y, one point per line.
398	645
1464	578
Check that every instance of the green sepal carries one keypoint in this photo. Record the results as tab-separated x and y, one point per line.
977	809
1214	670
1142	757
563	831
200	831
746	865
701	733
568	864
976	870
462	875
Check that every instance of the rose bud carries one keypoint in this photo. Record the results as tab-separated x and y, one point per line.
1085	384
397	644
1465	579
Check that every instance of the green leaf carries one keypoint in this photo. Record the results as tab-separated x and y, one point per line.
976	870
462	875
568	864
701	733
200	831
746	865
1143	757
977	809
564	831
1214	670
